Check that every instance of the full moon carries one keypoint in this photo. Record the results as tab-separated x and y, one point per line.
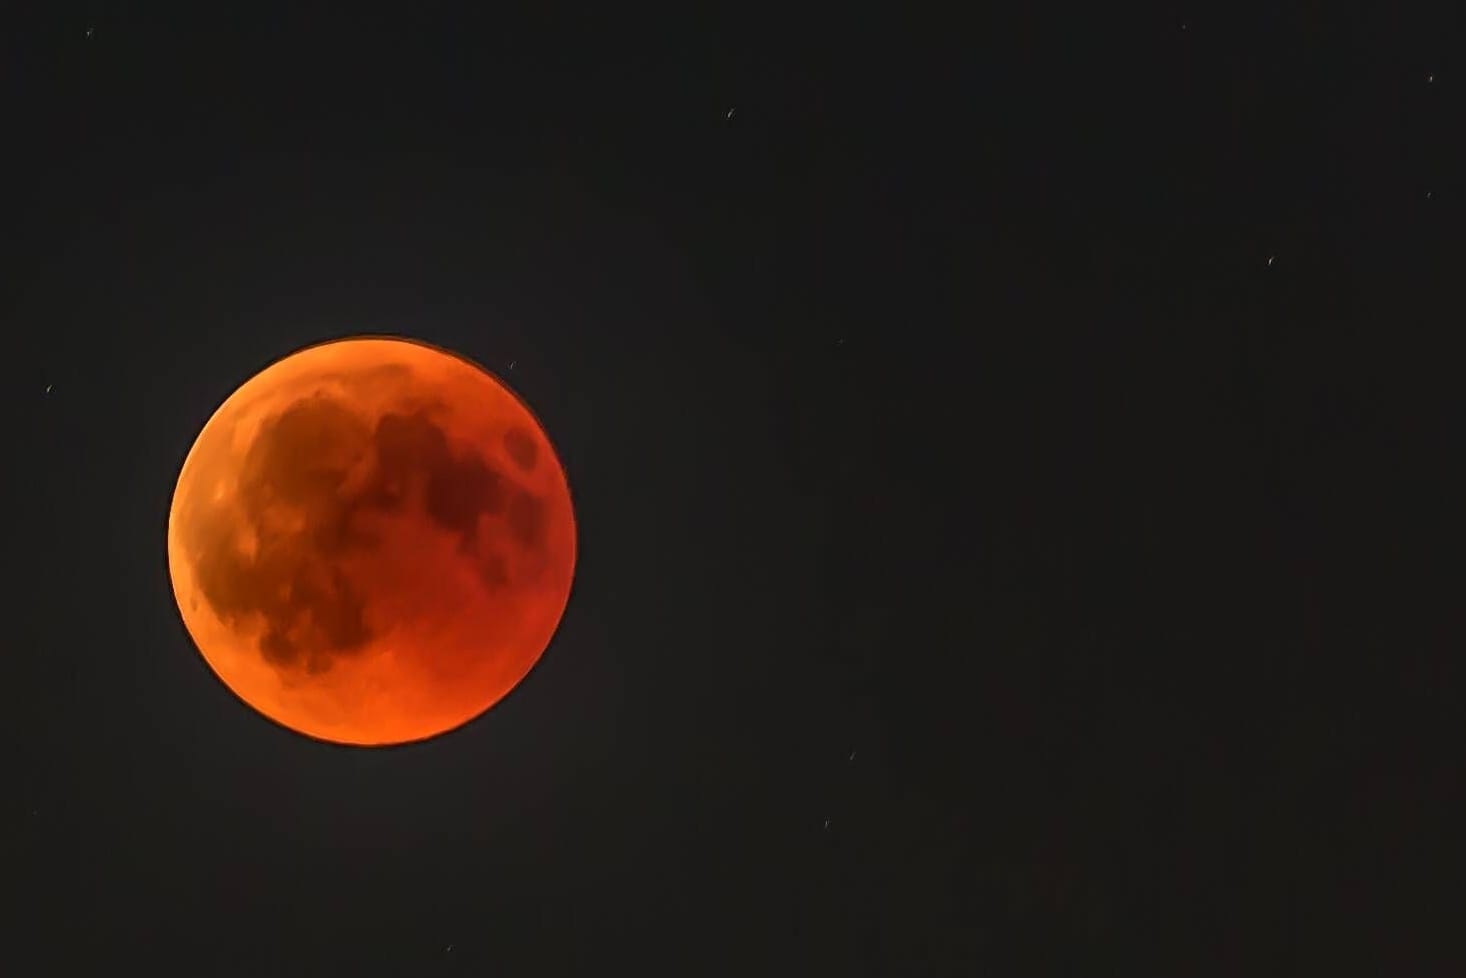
372	541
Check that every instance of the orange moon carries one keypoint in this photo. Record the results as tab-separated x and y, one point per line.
372	541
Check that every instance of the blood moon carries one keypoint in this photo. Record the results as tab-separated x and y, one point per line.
372	541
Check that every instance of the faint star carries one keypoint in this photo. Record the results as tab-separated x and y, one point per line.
1270	260
1430	79
730	114
48	388
91	31
1429	194
852	756
448	949
840	341
512	363
1183	27
827	825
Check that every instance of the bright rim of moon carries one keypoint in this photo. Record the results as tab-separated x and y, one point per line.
372	541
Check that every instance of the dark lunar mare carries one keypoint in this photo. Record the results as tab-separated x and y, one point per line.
301	460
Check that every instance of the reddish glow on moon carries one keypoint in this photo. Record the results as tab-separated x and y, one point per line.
372	541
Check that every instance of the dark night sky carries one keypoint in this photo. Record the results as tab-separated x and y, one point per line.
951	465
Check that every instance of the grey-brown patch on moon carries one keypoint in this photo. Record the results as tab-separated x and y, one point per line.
527	519
313	470
289	501
521	448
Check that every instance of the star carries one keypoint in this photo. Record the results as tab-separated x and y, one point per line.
730	114
1270	260
827	825
1430	79
48	388
851	757
512	363
90	32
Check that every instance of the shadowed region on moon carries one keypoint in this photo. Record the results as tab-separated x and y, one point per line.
298	497
521	447
342	503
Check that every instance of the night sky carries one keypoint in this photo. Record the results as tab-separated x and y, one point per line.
1015	464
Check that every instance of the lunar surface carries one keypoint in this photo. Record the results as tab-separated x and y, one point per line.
372	541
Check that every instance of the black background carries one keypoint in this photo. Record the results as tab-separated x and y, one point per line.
1015	461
